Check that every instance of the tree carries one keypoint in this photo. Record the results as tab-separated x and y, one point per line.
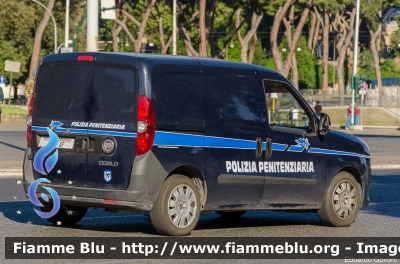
16	34
372	12
19	21
289	24
325	10
203	23
38	38
343	24
251	34
313	31
143	9
162	10
116	28
284	67
325	24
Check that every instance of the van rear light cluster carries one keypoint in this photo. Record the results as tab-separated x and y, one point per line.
29	121
85	58
146	125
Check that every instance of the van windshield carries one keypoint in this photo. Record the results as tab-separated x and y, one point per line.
89	91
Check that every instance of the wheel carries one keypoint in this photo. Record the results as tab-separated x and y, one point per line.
75	215
176	210
342	201
230	213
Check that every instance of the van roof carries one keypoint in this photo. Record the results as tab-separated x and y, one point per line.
126	58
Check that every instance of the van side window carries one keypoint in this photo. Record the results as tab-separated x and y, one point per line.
184	96
232	100
283	108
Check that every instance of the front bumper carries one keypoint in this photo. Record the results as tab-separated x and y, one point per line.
365	184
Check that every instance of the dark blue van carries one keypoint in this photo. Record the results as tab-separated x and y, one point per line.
177	136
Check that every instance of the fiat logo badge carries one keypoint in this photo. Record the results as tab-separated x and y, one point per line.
108	145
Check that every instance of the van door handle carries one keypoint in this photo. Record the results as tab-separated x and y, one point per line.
268	152
82	144
258	147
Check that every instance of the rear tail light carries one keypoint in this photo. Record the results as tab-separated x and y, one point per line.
146	125
29	122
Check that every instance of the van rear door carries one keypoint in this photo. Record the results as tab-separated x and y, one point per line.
93	106
62	96
112	126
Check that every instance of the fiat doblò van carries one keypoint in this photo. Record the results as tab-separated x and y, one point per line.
175	136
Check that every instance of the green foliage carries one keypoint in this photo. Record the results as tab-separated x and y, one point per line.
366	67
305	66
10	110
395	40
16	35
389	69
369	10
270	63
260	55
234	52
19	21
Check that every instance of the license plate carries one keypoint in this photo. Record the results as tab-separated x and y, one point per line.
64	143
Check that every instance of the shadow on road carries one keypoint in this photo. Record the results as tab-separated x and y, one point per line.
94	220
384	195
103	221
12	146
262	218
26	213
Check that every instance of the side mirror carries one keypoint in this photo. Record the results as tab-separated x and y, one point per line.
324	124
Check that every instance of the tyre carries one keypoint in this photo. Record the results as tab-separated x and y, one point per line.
342	201
231	214
176	210
70	217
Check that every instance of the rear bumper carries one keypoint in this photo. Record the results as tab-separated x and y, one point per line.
139	196
88	197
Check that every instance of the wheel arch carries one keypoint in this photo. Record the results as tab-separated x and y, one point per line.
197	177
353	171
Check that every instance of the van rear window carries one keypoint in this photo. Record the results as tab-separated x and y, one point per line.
89	91
62	91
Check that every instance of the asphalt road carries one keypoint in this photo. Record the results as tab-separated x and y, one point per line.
379	219
12	146
384	149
